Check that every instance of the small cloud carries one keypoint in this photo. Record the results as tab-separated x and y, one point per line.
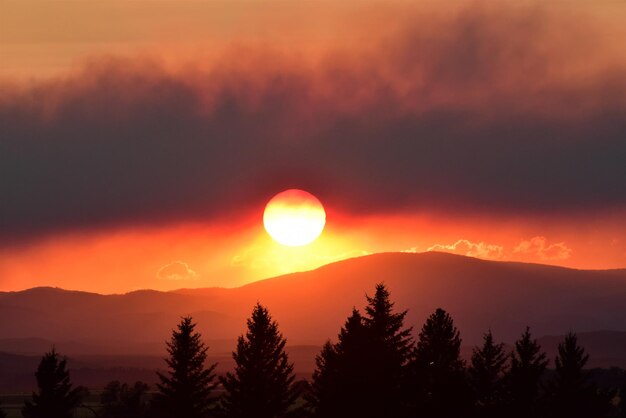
471	249
411	250
539	246
176	270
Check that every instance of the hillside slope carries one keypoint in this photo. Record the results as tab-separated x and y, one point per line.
311	306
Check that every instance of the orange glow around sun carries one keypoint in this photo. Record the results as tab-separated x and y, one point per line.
294	218
240	251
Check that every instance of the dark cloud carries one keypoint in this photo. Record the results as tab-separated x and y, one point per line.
485	113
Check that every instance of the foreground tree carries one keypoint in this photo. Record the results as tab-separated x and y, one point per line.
186	389
571	394
390	351
442	391
324	398
365	373
486	374
262	383
528	363
55	397
122	401
342	385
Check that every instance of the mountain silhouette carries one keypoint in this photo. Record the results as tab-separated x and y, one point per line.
311	306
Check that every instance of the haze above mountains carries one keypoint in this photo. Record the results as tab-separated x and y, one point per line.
310	307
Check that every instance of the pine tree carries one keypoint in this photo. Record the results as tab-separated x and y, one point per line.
442	391
528	364
390	350
55	397
185	391
342	384
487	377
365	373
262	383
325	397
572	395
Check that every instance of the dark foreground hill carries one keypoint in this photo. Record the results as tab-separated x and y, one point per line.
311	306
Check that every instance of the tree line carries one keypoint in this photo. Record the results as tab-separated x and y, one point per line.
375	369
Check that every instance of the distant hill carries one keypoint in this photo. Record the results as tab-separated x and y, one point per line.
311	306
607	349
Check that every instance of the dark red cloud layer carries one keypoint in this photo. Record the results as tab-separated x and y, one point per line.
491	113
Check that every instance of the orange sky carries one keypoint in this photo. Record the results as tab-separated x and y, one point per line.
42	38
205	255
52	51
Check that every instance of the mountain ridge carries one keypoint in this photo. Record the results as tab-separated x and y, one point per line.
340	262
311	306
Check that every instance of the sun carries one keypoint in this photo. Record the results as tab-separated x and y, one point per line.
294	218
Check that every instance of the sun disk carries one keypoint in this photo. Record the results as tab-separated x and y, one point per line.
294	218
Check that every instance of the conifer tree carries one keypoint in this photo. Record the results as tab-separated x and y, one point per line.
390	350
55	397
442	391
342	385
185	391
325	392
487	373
571	394
528	364
262	383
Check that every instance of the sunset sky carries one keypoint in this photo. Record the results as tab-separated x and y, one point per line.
141	140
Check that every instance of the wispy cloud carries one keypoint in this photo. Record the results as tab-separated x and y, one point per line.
177	270
538	246
471	249
534	249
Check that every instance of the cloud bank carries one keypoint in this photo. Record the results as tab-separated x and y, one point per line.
471	249
487	112
539	247
535	249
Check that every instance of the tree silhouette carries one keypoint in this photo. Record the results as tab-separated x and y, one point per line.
55	397
122	401
364	374
325	397
571	394
262	383
622	401
439	370
185	391
2	413
390	350
487	373
528	364
342	383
